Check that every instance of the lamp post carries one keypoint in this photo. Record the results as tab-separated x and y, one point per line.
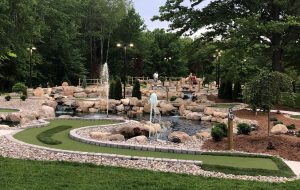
119	45
30	49
218	56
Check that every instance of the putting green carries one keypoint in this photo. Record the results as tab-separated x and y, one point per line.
30	135
5	110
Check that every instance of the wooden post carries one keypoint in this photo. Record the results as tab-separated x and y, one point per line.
230	129
167	89
79	82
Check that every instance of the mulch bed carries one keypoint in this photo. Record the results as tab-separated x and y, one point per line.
286	146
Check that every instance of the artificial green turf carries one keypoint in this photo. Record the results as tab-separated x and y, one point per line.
223	105
46	136
40	175
29	136
4	110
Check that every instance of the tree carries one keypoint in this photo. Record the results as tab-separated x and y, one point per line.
118	89
136	91
112	88
268	27
265	90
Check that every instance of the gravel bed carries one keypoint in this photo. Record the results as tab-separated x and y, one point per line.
16	149
28	105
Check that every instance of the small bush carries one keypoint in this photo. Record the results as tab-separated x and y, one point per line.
23	97
298	134
277	122
244	128
112	89
7	98
173	98
292	126
84	83
217	133
20	88
223	127
270	146
136	91
273	118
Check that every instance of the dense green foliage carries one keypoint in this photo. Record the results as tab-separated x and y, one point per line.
244	128
46	136
136	91
69	176
7	98
217	133
237	91
112	88
20	88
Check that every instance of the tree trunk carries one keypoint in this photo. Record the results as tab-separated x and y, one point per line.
269	122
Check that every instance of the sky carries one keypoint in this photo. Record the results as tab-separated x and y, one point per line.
148	8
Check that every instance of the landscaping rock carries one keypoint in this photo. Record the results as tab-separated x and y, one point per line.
68	90
120	108
166	108
4	127
209	111
38	92
279	129
203	135
115	137
93	110
85	105
206	118
139	139
147	108
64	84
133	101
93	95
50	103
194	116
47	112
80	95
99	135
125	102
179	137
13	117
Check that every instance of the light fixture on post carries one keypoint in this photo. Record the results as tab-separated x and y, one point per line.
30	49
119	45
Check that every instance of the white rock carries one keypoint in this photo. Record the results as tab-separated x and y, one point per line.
47	112
279	129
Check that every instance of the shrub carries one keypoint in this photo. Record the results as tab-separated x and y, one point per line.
118	89
217	133
136	91
273	118
277	122
270	146
292	126
228	90
223	127
221	92
173	98
23	97
20	88
112	89
244	128
298	134
7	98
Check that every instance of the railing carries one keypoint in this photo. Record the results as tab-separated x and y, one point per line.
130	80
90	82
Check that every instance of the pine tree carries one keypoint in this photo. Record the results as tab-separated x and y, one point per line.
112	88
237	91
118	89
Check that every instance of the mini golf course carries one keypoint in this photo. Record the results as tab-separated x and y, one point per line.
227	163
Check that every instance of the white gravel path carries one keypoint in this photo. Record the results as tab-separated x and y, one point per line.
295	166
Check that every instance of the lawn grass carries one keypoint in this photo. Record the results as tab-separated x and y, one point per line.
237	161
4	110
223	105
36	175
295	116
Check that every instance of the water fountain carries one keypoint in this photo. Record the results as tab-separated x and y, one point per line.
104	76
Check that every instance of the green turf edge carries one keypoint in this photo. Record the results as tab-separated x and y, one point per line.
223	105
283	169
8	110
295	116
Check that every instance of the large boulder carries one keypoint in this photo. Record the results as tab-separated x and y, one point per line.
64	84
38	92
125	102
115	137
78	89
14	117
85	105
99	135
147	108
93	110
68	90
133	101
194	116
80	95
179	137
182	110
279	129
203	135
196	108
120	108
206	118
139	139
4	127
132	114
209	111
166	108
222	115
50	103
47	112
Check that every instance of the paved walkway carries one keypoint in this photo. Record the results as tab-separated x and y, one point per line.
295	166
